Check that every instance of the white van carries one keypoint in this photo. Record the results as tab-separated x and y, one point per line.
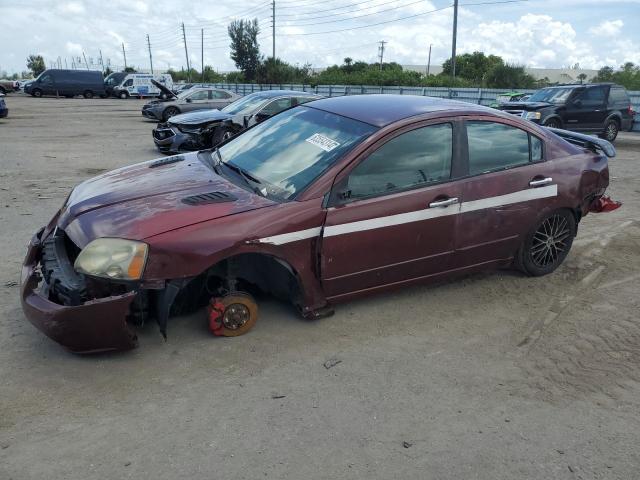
139	85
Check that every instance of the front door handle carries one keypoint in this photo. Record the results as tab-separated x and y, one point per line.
541	182
443	203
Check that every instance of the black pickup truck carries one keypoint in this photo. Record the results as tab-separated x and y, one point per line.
602	108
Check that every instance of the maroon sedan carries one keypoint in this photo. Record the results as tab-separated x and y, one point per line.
325	202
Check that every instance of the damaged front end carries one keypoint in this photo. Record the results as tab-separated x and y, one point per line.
82	313
171	138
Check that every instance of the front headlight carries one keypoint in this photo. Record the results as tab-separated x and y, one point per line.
113	258
533	116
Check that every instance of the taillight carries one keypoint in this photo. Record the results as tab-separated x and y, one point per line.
631	110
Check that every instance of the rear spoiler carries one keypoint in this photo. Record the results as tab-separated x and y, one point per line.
586	141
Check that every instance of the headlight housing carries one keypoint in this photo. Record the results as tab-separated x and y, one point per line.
533	116
113	258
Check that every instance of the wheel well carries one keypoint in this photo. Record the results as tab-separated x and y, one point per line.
252	272
615	118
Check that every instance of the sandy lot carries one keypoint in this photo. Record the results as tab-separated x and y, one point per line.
495	376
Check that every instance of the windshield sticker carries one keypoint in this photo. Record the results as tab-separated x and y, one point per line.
325	143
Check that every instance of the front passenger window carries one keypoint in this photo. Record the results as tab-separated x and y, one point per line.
417	158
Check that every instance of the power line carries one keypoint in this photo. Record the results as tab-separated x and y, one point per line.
339	8
369	25
355	17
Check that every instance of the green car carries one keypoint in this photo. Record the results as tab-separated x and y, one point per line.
510	97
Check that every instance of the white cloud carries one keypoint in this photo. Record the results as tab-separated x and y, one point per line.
525	33
608	28
71	7
73	48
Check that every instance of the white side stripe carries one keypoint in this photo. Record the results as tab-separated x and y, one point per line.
292	237
510	198
415	216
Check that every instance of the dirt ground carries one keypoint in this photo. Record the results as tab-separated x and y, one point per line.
494	376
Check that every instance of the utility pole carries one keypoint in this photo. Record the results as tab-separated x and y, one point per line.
202	51
101	61
381	52
85	60
273	28
453	42
124	54
150	57
186	52
429	61
66	67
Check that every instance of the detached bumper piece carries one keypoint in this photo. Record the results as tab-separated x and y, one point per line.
60	303
604	204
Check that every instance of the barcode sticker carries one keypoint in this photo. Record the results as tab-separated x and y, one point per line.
325	143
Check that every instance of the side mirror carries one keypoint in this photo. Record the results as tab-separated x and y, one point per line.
261	117
577	103
189	100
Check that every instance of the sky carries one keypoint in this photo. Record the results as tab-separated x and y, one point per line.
535	33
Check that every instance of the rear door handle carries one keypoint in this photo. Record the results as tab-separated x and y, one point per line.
443	203
541	182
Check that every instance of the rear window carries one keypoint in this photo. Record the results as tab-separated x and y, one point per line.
619	95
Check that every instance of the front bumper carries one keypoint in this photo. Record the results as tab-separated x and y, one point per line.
97	325
150	114
171	140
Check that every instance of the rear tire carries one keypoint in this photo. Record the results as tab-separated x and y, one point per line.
611	130
169	112
88	94
547	245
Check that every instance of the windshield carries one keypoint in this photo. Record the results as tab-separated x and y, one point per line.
114	78
551	95
186	92
244	105
290	150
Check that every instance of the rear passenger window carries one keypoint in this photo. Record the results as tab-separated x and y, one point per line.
218	94
413	159
494	146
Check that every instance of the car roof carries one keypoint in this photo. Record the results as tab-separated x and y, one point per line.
383	109
578	85
282	93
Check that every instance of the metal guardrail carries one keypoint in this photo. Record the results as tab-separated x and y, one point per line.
479	96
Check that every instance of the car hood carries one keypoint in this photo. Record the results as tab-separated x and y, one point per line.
163	89
529	106
141	201
199	116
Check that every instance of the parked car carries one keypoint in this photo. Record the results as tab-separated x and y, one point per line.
508	97
193	99
113	80
144	85
207	128
7	86
325	202
602	108
4	111
68	83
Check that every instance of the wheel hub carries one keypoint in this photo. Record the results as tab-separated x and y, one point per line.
235	316
550	241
